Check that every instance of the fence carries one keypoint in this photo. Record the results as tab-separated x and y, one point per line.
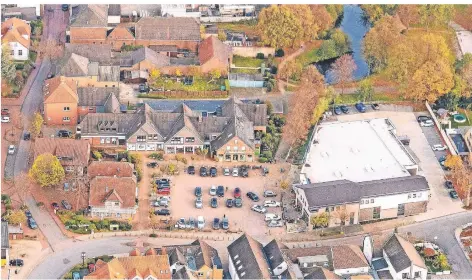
446	139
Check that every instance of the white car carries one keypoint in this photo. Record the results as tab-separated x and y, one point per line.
200	222
269	193
275	224
5	119
213	190
199	203
226	172
259	209
11	149
271	203
439	147
180	223
272	217
235	172
427	123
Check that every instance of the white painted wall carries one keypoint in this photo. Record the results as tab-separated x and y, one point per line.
351	271
280	269
16	47
232	269
392	201
114	19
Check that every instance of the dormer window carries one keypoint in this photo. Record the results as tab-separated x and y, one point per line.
141	138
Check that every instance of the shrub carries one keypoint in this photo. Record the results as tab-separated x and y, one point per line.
20	66
152	235
156	156
139	173
6	199
273	70
279	53
267	154
262	160
134	158
40	204
260	56
181	158
97	155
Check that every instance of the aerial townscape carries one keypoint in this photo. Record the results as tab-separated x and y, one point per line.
236	141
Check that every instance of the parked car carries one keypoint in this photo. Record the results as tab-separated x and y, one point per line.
28	214
237	192
64	134
229	202
162	212
427	123
214	202
272	217
225	223
198	191
216	223
163	182
243	172
439	147
5	119
344	109
375	106
269	193
162	202
164	191
213	190
360	107
275	224
226	172
16	262
199	203
271	203
180	223
66	205
337	110
65	7
201	222
27	136
152	164
32	223
238	202
259	209
220	191
191	223
448	184
203	171
191	170
143	88
11	149
423	118
5	112
453	195
235	172
252	196
55	206
213	171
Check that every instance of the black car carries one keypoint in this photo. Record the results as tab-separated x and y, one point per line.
64	134
27	136
191	170
337	110
216	223
224	223
229	203
213	172
162	212
238	202
344	109
243	172
143	88
203	171
16	262
220	191
198	191
153	164
65	7
448	184
423	118
252	196
164	182
214	202
28	214
453	195
32	223
375	106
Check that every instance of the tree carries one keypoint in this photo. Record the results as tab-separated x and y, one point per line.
408	14
8	66
365	91
309	28
434	15
430	81
279	26
194	71
97	155
321	220
375	12
202	31
19	80
215	74
322	18
441	261
222	35
49	48
291	70
47	170
154	76
16	217
6	88
178	72
342	214
342	70
327	50
36	125
341	41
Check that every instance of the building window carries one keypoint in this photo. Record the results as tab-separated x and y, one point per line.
404	275
414	195
228	157
12	52
66	109
242	157
177	140
66	119
190	139
419	195
243	148
228	148
362	201
401	209
91	109
235	148
235	141
200	274
20	52
376	213
113	141
117	204
102	140
366	201
141	138
372	200
107	140
417	274
409	196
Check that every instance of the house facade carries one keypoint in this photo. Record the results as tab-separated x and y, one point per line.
348	202
60	101
16	33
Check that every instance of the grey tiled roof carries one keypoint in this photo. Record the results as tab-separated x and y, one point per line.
401	253
91	16
344	191
124	123
131	58
26	13
195	105
76	66
143	10
114	10
95	96
168	29
163	48
384	274
252	263
107	73
194	255
97	53
274	254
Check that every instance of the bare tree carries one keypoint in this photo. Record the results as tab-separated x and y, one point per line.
342	70
50	49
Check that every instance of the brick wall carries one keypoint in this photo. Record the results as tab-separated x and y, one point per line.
366	214
414	208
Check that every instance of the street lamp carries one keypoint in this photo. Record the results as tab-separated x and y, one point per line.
83	259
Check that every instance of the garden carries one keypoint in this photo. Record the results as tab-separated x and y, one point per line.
15	74
78	223
83	270
270	140
434	258
466	240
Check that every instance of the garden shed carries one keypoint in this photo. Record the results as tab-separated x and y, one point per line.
246	80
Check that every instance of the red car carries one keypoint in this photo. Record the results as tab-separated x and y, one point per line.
55	206
5	112
237	192
165	191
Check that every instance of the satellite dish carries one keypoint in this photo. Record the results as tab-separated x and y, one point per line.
368	248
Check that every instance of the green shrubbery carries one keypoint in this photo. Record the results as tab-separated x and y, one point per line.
78	223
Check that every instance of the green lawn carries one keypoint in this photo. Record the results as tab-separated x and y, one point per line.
467	123
245	71
199	84
249	27
241	61
377	97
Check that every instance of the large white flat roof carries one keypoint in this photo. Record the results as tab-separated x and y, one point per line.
357	151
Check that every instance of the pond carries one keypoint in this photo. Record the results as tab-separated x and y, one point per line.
355	26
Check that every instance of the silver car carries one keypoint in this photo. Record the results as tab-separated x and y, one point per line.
226	172
199	203
274	223
259	209
213	190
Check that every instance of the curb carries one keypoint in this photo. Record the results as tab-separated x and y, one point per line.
457	233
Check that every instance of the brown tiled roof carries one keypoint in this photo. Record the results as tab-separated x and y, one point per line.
88	33
168	29
13	29
102	188
60	90
212	47
120	32
92	15
76	66
110	169
348	256
97	53
73	152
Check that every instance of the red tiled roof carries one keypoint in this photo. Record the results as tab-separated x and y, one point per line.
110	169
212	47
112	189
76	151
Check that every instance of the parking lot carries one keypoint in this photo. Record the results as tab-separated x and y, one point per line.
183	198
432	136
421	139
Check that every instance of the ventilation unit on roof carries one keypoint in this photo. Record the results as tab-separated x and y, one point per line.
240	267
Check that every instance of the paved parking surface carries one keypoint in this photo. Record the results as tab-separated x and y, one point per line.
432	136
440	203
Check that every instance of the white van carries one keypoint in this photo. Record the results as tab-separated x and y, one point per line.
200	222
272	217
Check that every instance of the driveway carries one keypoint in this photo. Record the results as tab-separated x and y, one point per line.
440	203
432	136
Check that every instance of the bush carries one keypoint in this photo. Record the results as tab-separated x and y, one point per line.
260	56
181	158
267	154
40	204
6	199
262	160
152	235
139	173
134	158
97	155
156	156
20	66
273	70
279	53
